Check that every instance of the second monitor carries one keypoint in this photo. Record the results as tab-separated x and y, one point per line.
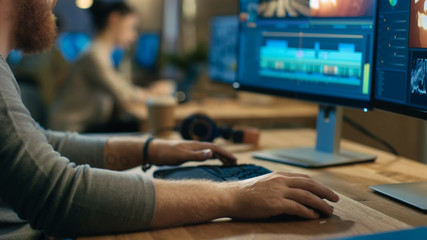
223	49
321	51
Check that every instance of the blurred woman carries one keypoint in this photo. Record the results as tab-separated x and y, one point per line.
95	94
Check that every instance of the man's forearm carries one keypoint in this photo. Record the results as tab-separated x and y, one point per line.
122	153
189	202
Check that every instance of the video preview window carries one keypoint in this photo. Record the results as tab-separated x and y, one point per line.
315	8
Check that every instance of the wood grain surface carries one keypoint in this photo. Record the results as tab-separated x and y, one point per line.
360	210
277	113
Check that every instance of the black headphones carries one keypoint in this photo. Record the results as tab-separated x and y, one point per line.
202	128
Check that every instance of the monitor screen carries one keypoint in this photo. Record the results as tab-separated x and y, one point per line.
147	50
319	50
72	44
401	69
223	49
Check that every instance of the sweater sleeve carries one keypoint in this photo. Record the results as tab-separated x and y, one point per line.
91	150
123	90
57	196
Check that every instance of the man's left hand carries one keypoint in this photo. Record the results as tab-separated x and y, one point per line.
164	152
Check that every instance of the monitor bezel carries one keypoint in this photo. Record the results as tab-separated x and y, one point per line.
400	109
319	99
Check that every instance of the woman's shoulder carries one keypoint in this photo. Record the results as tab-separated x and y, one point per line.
85	57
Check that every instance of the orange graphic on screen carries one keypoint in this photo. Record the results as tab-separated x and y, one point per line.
342	8
418	26
283	8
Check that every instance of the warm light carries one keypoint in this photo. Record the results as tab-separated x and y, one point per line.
84	4
189	9
422	20
315	4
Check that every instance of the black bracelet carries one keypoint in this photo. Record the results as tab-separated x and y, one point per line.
146	165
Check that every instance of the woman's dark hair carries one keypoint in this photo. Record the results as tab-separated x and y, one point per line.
102	10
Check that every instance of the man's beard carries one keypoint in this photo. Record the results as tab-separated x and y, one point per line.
35	28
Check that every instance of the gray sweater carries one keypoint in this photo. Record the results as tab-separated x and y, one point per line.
46	186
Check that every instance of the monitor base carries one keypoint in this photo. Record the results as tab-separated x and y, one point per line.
310	158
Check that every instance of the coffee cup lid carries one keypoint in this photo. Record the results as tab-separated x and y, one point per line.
162	101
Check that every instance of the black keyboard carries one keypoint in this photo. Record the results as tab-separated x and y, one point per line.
214	173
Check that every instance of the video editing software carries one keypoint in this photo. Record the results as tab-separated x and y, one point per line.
401	71
320	48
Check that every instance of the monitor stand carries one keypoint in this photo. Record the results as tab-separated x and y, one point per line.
327	151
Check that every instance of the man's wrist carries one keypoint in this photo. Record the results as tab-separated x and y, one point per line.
122	153
146	163
193	201
228	200
152	152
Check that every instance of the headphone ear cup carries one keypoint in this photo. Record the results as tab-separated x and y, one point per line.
199	127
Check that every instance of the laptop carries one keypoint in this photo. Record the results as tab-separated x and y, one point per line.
413	194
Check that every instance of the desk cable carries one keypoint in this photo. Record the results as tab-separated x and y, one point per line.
368	133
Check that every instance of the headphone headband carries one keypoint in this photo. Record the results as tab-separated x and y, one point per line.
202	128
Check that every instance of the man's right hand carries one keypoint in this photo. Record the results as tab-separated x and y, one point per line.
280	193
193	201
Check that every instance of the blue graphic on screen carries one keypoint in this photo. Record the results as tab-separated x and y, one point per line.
72	45
15	57
342	66
320	50
418	77
147	51
223	49
401	71
117	57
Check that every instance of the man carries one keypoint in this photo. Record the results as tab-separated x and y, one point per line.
42	188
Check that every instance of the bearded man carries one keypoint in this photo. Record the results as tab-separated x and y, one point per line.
56	184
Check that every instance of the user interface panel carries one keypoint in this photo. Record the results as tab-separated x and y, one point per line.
401	71
312	49
223	49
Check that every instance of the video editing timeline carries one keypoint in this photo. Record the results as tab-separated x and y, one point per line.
311	47
223	49
402	53
339	65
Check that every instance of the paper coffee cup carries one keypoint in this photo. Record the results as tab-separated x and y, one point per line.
161	116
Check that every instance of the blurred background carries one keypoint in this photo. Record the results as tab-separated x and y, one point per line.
192	42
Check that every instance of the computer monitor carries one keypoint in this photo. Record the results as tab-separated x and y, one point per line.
72	44
147	50
317	50
401	71
401	76
117	57
223	49
15	58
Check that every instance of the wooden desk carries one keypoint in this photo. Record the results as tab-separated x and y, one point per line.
278	113
360	211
